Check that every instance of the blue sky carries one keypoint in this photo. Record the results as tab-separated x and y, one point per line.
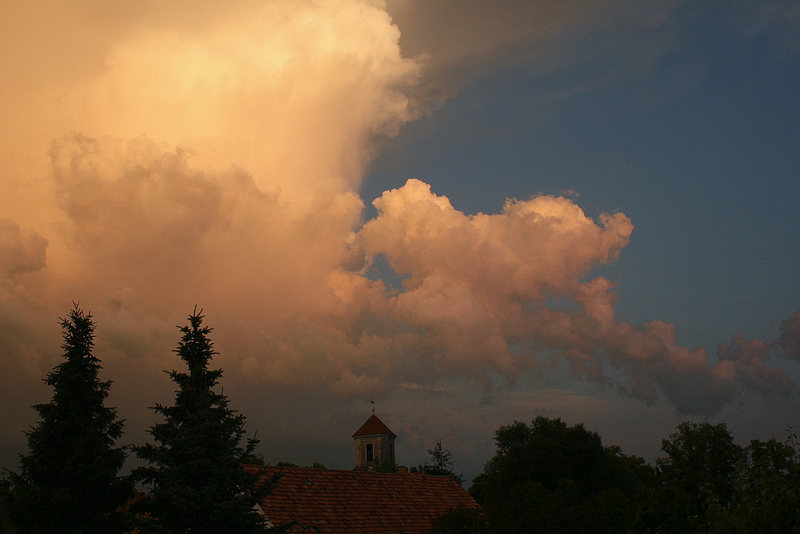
691	128
699	145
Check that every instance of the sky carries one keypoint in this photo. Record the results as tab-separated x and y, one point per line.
470	212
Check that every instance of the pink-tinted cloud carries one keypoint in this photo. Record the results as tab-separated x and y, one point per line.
478	287
470	279
148	229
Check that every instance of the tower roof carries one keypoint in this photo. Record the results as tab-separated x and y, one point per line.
373	426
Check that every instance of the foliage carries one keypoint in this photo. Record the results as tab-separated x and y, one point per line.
767	497
441	464
460	520
69	483
254	459
700	468
198	484
548	477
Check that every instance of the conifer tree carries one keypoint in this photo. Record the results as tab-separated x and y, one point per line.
68	482
198	484
441	464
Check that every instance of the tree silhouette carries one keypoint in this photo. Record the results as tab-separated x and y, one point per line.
547	477
441	463
69	483
198	484
767	497
700	468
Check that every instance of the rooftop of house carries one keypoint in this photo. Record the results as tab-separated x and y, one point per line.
373	426
338	502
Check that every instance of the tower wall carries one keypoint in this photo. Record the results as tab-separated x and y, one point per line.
382	450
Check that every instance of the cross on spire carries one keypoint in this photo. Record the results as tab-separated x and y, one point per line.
373	405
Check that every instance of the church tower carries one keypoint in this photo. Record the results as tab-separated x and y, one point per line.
374	445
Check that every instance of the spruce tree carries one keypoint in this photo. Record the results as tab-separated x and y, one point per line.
441	464
69	483
196	478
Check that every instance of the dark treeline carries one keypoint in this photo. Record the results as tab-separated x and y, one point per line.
547	477
70	482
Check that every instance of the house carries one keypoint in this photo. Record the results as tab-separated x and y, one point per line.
331	501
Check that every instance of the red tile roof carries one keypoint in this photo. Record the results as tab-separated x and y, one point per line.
372	426
339	502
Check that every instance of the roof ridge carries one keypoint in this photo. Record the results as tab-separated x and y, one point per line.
360	502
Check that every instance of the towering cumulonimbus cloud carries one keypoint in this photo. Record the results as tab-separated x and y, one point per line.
294	92
174	154
217	159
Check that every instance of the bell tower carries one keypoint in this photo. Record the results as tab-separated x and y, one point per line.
374	445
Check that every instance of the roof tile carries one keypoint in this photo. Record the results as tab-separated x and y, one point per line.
360	502
373	426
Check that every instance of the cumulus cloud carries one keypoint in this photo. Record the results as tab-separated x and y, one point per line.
149	228
790	336
480	289
146	226
746	361
470	278
22	340
20	251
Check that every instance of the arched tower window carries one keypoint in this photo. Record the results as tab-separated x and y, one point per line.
374	444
